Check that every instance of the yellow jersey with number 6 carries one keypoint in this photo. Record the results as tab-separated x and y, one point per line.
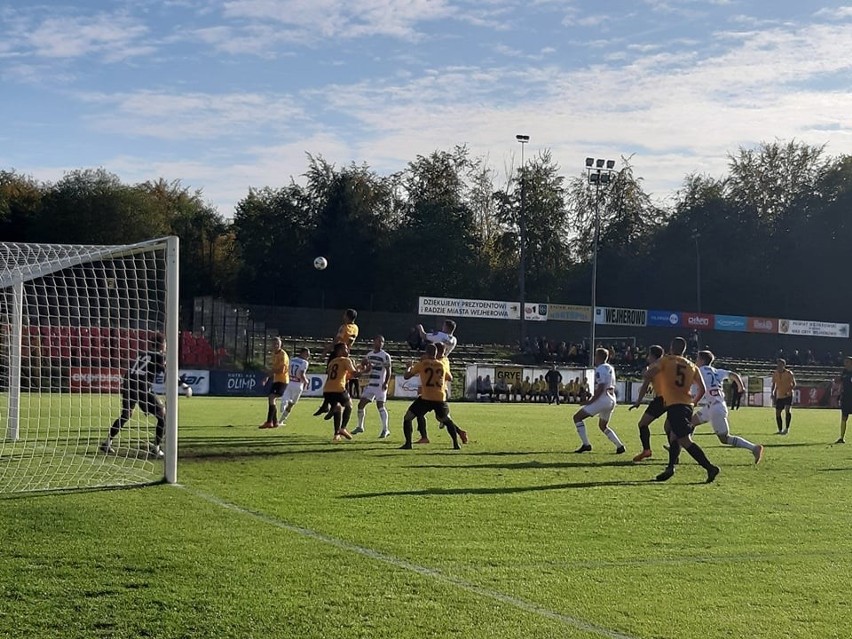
673	380
433	373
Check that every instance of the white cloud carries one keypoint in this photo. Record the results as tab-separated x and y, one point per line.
172	116
835	13
114	36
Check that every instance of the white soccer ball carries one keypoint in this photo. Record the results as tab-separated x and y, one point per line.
188	391
320	263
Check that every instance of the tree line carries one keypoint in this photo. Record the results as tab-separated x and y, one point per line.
769	238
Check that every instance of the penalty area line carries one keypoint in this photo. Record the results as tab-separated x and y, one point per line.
521	604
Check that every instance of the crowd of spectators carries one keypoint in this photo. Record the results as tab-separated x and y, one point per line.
536	390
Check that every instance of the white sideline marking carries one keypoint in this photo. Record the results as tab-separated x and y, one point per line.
522	604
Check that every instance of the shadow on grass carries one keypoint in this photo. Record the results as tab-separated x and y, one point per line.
535	465
502	490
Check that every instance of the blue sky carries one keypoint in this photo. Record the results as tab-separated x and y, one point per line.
228	94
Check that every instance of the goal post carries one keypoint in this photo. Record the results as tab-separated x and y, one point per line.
73	319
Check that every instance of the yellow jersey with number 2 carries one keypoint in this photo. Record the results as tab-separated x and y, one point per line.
433	373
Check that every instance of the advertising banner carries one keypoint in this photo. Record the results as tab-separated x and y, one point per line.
569	313
616	316
315	384
813	395
730	323
813	329
663	318
97	380
238	383
535	312
487	309
762	325
408	388
700	321
199	381
511	374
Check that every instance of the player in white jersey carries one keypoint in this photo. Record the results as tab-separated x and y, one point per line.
298	382
712	407
444	336
378	363
601	404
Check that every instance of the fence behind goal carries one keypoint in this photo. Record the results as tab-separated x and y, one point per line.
72	320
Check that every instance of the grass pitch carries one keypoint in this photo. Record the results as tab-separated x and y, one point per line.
284	534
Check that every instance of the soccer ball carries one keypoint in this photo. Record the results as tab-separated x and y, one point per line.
188	391
320	263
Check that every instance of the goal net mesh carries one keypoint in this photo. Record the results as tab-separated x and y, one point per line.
72	319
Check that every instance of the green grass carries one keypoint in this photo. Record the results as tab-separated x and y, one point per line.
284	534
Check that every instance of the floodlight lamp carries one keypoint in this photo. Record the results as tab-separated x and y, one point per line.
594	178
590	162
610	164
522	138
605	178
599	164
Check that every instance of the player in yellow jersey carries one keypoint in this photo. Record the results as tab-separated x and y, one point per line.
440	355
280	374
433	375
783	383
334	392
673	377
346	334
656	409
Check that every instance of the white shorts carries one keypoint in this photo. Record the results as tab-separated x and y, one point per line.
602	407
292	393
715	413
377	393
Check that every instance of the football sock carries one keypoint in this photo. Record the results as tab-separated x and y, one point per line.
117	424
645	437
778	421
610	434
407	430
347	413
843	430
383	415
451	429
421	426
336	422
161	430
789	418
739	442
361	415
274	410
698	455
674	452
269	413
581	431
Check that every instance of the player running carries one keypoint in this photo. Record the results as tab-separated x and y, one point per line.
137	389
655	410
298	382
433	374
601	404
378	363
712	407
280	378
673	376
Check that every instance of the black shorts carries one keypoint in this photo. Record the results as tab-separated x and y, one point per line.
845	406
784	402
336	398
142	396
657	407
420	407
679	417
278	388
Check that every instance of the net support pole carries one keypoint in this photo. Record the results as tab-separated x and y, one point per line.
171	378
15	340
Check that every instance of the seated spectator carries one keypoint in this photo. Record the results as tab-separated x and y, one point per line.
584	394
487	388
501	388
518	391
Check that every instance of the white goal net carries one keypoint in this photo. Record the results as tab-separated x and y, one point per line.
74	323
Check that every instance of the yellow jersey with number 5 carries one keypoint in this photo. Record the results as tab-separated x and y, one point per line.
433	373
673	380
